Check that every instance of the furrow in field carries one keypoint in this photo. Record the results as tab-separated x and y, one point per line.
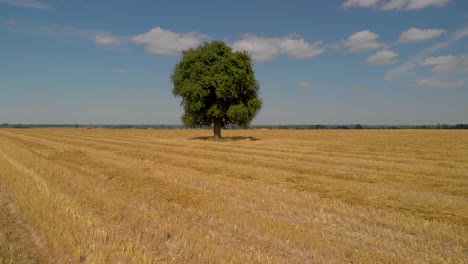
83	189
362	170
310	155
282	148
91	185
386	154
370	171
306	179
300	151
18	241
273	205
57	214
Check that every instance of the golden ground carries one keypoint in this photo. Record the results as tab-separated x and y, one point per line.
267	196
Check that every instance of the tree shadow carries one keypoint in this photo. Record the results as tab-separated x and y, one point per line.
225	139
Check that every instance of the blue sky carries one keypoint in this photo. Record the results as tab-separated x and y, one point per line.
317	62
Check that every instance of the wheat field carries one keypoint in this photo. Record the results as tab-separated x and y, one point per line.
256	196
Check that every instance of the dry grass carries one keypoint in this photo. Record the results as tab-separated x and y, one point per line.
133	196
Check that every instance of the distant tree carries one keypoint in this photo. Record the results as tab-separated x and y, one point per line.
342	127
358	126
76	126
461	126
217	86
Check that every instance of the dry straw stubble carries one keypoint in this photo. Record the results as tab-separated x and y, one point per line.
129	196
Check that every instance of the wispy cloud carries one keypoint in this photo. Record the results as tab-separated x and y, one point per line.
447	64
359	3
412	4
394	4
416	60
418	35
59	31
105	39
436	84
305	84
383	57
37	4
165	42
399	71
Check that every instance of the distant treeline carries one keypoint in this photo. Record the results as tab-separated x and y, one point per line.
353	126
359	126
90	126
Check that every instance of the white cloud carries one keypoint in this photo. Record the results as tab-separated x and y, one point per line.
359	3
363	41
418	58
166	42
431	61
105	40
305	84
454	37
263	49
436	84
395	4
37	4
119	71
298	48
417	35
420	4
383	57
446	64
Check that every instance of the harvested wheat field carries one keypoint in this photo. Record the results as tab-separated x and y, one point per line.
257	196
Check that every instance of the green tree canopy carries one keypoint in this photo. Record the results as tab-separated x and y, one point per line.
217	86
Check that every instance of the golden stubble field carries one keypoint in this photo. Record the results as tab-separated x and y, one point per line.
266	196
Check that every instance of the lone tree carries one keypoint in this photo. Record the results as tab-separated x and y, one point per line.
217	86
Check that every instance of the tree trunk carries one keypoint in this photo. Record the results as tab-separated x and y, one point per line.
217	127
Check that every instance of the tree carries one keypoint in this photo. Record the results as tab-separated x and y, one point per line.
217	86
